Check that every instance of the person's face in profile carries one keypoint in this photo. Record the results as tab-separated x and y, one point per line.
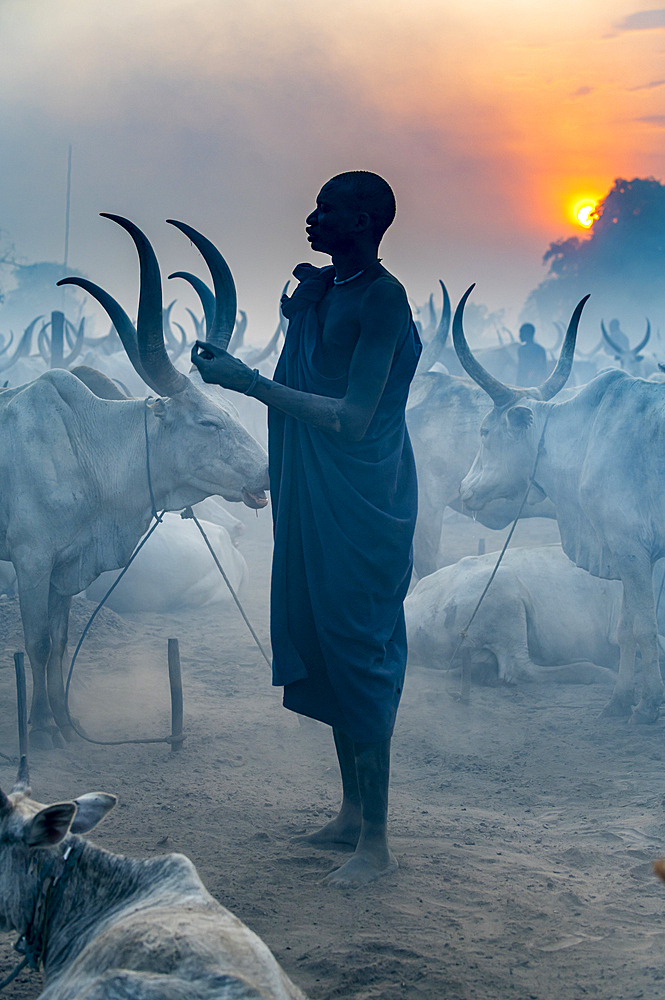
334	224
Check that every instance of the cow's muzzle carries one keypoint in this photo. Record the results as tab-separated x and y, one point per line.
256	500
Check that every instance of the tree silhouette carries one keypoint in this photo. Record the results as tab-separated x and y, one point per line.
622	264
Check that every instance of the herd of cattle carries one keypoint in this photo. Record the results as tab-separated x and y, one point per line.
87	460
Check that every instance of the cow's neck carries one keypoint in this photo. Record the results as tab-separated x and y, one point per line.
148	462
121	474
98	886
560	432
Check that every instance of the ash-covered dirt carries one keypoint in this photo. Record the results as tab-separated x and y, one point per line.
524	825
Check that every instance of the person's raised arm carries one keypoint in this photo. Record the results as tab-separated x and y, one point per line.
383	315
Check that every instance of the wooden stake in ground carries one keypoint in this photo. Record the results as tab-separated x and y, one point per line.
175	682
465	686
22	703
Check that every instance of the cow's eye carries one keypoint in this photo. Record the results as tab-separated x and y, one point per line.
209	423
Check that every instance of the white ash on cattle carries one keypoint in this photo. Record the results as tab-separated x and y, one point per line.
541	619
106	926
175	570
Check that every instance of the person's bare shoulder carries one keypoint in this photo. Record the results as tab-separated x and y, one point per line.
386	292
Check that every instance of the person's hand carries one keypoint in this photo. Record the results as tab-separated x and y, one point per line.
218	367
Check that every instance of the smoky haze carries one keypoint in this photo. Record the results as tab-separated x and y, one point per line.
230	118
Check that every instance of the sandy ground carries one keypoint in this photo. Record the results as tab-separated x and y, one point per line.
524	826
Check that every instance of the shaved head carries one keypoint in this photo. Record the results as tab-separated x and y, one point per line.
367	192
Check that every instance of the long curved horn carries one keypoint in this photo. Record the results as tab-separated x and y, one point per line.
280	331
44	343
559	376
9	343
71	333
615	347
270	347
77	346
170	339
149	331
501	394
121	322
432	352
203	292
179	347
98	383
24	345
643	343
226	302
431	318
199	325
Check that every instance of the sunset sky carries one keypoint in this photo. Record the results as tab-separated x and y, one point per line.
490	118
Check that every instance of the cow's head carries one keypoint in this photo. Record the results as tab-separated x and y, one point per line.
199	431
630	359
508	445
33	841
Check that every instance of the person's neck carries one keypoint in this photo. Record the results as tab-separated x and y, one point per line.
352	262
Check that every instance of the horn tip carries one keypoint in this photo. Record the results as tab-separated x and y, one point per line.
120	219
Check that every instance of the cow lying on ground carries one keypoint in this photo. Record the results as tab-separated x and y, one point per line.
106	927
541	619
175	570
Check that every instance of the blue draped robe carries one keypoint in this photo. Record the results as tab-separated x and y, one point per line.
344	514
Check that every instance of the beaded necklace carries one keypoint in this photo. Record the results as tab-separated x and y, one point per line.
345	281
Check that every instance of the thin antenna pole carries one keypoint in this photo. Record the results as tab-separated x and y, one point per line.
69	192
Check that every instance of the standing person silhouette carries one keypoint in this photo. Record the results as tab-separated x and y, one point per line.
531	358
344	502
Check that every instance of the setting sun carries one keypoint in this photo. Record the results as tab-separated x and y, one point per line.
583	212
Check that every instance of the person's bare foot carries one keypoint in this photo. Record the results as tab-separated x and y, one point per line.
339	832
365	866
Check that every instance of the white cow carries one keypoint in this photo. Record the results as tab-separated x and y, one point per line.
541	619
108	927
174	570
82	475
443	415
600	459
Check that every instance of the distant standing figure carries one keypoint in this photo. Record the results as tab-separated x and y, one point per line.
618	337
531	358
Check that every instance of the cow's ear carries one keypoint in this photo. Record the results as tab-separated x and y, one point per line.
158	407
50	825
519	418
90	810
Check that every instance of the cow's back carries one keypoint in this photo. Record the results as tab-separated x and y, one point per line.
172	940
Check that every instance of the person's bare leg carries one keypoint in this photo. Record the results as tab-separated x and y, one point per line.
345	828
372	856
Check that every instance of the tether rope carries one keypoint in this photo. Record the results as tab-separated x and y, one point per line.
158	518
532	479
189	513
